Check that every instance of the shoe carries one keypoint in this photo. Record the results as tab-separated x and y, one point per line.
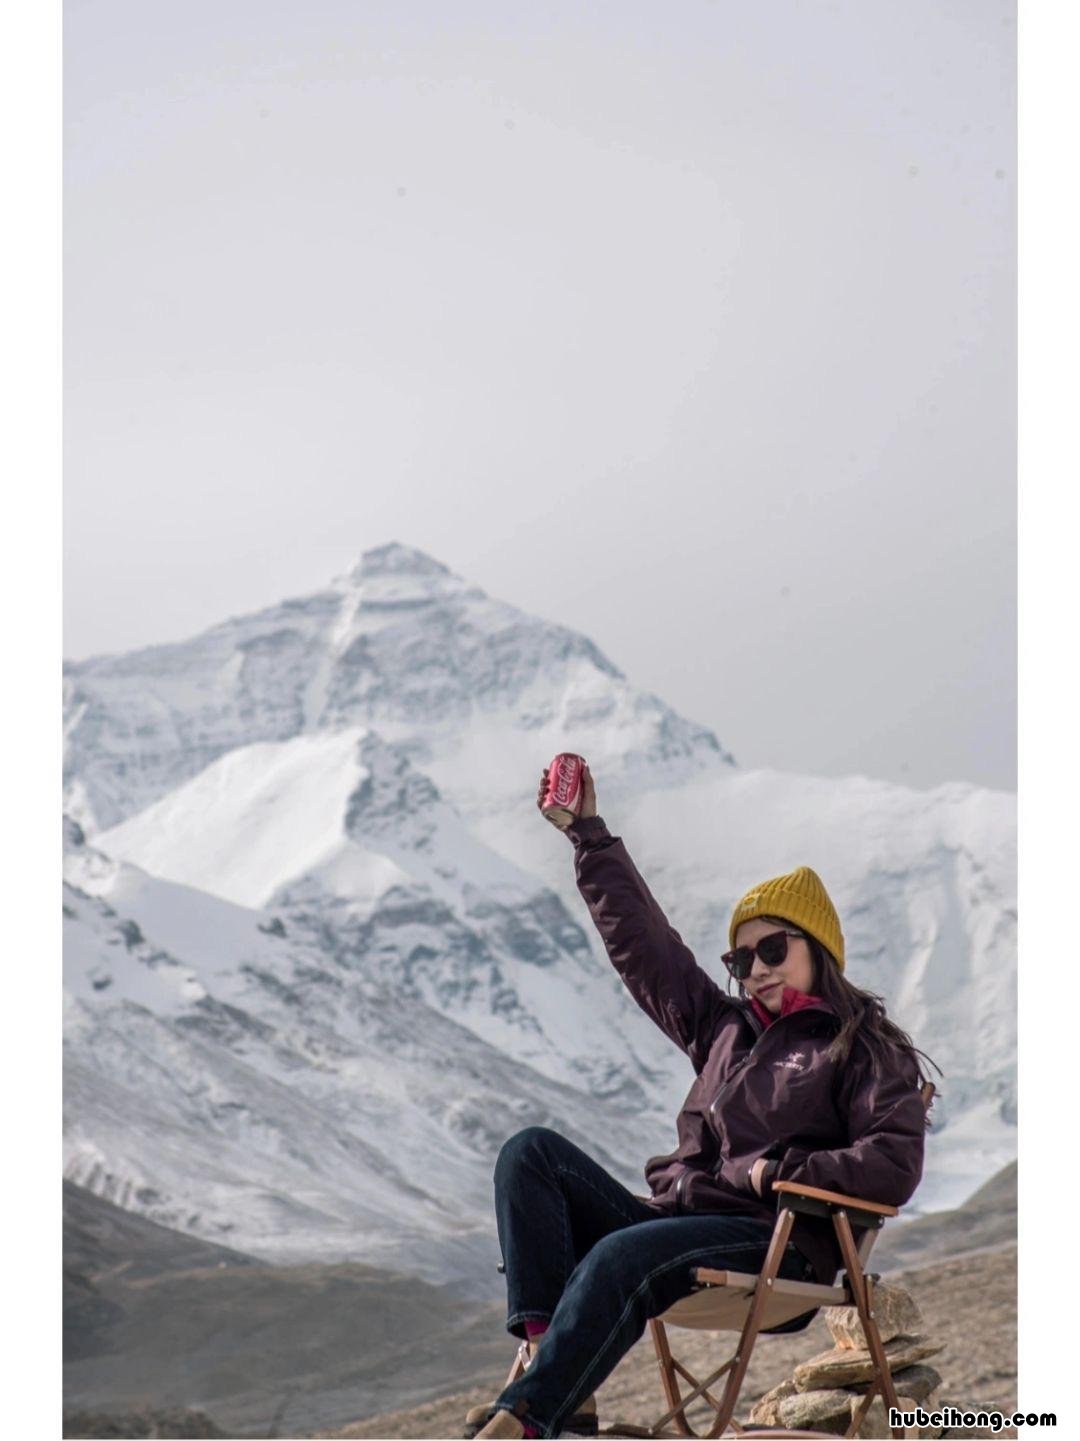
502	1423
582	1423
476	1418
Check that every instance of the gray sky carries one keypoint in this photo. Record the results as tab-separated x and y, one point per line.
689	325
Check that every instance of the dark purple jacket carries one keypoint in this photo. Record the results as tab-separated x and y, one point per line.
759	1091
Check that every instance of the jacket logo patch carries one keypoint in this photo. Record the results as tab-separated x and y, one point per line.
795	1062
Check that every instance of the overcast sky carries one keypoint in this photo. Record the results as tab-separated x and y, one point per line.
689	325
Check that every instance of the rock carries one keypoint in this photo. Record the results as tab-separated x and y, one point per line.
969	1433
894	1310
876	1421
917	1381
842	1365
814	1410
766	1412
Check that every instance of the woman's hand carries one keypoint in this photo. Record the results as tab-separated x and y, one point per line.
588	796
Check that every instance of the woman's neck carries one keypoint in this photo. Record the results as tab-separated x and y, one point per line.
790	1000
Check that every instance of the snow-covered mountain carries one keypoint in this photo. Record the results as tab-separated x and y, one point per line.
234	1076
400	644
323	955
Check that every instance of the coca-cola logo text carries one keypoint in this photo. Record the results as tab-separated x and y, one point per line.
565	776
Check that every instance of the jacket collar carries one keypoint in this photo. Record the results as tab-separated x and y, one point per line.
790	1000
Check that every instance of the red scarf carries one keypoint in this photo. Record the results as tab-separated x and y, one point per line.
790	1000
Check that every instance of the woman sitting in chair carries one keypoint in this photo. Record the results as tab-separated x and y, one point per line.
802	1077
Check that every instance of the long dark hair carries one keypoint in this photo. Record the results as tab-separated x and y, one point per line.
862	1013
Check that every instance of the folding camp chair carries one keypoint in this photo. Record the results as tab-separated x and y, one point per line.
739	1301
749	1304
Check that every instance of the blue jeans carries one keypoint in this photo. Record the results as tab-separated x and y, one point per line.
596	1263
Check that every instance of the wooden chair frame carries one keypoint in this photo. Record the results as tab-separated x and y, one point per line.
730	1301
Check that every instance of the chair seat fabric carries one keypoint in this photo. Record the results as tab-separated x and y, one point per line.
724	1301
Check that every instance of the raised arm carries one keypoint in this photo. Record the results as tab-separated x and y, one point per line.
651	957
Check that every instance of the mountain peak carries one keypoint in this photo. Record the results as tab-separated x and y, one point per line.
397	560
400	640
400	577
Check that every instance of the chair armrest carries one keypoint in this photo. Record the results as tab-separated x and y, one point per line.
834	1198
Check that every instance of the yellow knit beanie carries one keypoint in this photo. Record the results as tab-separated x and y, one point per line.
799	897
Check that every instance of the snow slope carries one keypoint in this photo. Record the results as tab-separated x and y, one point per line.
229	1078
345	841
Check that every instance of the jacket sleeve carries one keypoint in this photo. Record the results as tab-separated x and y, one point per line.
658	969
885	1118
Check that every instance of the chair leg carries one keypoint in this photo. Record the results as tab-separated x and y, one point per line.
862	1289
861	1410
737	1366
670	1371
775	1254
668	1379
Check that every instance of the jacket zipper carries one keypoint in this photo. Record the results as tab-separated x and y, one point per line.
730	1082
756	1026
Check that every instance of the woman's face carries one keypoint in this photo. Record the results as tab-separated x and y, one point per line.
766	983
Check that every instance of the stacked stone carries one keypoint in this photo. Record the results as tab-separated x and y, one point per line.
824	1393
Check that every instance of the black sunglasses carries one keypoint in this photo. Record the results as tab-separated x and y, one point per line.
772	949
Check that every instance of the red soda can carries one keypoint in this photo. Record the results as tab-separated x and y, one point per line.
565	789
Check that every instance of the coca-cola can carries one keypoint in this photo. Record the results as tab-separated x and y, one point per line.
565	789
